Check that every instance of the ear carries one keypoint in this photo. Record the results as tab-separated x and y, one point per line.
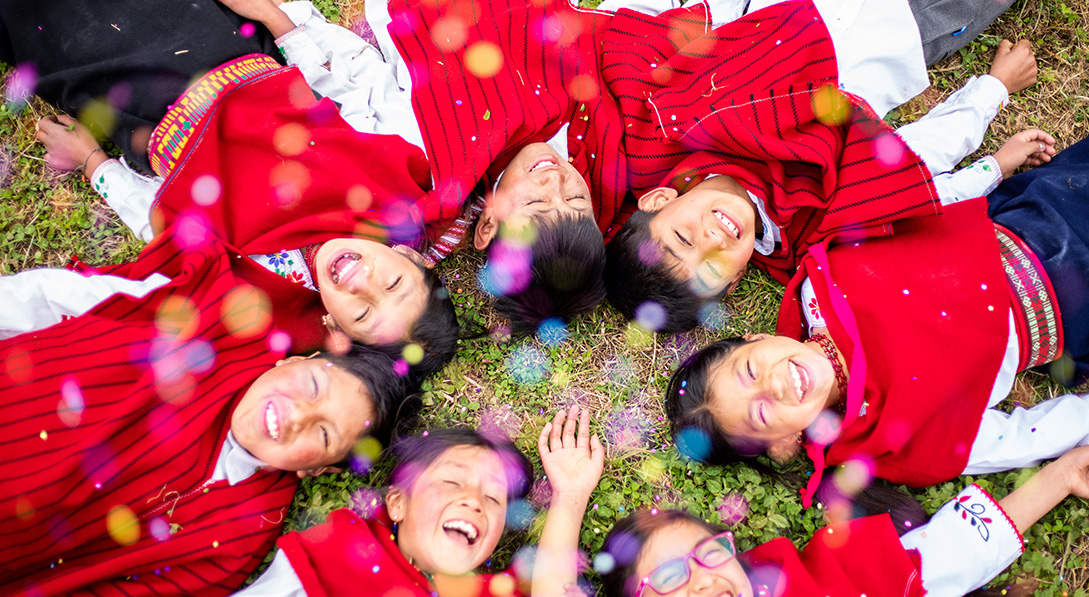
291	360
754	337
656	199
396	504
314	472
732	286
413	255
487	226
784	450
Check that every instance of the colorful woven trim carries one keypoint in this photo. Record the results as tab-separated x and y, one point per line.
1042	334
169	138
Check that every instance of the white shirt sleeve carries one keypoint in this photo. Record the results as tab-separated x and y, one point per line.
38	298
966	543
278	580
129	194
374	97
1026	437
955	128
722	11
976	180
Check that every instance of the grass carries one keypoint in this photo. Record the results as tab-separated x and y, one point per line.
615	369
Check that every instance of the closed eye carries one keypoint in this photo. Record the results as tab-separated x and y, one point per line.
493	499
314	386
748	368
363	315
680	237
325	436
395	284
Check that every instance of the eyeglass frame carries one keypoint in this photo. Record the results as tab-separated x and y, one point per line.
685	559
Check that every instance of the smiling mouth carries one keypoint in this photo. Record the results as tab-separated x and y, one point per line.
727	223
545	163
272	423
343	266
801	380
461	531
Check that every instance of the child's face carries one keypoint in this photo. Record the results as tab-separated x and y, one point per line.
451	518
303	415
537	182
374	293
677	541
768	390
706	235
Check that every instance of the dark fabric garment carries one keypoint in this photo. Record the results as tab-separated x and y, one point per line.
138	56
1048	207
946	26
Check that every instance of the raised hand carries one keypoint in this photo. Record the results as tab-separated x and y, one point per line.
1031	147
1014	65
571	458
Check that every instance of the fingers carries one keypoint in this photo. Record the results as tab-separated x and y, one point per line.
569	426
584	429
542	439
597	451
1005	45
554	442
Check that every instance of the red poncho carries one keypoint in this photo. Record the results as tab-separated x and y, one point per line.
111	425
756	99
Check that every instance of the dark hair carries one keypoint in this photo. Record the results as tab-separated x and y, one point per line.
695	431
417	452
436	332
626	540
395	409
877	498
630	281
568	258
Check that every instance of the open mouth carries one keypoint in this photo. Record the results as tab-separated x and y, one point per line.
344	266
728	223
461	531
801	380
543	164
272	422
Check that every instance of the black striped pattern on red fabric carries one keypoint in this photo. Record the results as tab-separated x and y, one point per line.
757	99
128	406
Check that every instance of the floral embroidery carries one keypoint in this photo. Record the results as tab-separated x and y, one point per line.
814	308
973	513
296	277
280	260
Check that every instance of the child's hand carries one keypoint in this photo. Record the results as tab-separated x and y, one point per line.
68	143
266	12
1014	65
1075	468
572	462
1027	148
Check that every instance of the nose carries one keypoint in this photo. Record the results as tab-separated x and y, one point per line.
713	240
472	499
772	385
304	413
702	580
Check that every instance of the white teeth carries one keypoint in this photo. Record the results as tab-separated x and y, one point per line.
544	164
461	526
728	224
343	265
270	422
797	379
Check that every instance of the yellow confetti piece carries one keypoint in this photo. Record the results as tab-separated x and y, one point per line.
98	113
247	311
215	544
123	525
44	435
487	114
483	59
177	317
369	448
413	353
830	106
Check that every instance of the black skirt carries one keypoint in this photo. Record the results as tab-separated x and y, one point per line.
1048	207
118	65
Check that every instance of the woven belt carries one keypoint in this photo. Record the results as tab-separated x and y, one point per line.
175	129
1039	320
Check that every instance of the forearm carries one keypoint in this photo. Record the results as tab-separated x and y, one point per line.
1042	492
556	563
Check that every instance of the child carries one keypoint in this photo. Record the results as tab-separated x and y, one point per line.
286	212
966	543
914	337
442	517
153	445
695	232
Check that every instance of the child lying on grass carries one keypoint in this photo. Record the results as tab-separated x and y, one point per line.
442	517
